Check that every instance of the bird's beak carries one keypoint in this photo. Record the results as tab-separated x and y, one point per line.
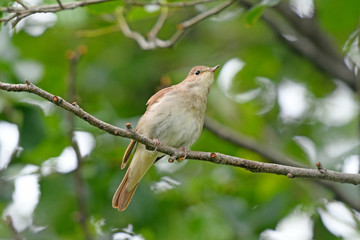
214	68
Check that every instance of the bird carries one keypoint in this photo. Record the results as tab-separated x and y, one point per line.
175	117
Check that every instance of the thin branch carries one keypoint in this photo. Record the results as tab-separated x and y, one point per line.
153	42
20	12
218	158
308	27
276	157
143	43
159	23
22	4
205	15
51	7
310	42
60	4
25	11
248	143
80	186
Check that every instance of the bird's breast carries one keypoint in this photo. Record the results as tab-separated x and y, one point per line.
176	120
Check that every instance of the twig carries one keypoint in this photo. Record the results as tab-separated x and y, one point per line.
205	15
24	11
20	12
153	42
51	7
218	158
159	23
143	43
308	27
60	4
80	186
81	193
22	4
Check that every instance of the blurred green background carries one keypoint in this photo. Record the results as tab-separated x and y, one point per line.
115	78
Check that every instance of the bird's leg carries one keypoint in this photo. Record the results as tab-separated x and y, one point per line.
185	151
157	143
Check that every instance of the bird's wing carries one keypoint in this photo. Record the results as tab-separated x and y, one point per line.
128	153
158	95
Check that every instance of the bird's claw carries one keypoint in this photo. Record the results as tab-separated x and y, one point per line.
185	154
157	143
176	155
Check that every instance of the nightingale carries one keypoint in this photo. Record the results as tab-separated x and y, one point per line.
175	117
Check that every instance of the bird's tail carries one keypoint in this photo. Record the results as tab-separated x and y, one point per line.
140	164
123	195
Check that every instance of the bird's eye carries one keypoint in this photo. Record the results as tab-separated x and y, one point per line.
197	72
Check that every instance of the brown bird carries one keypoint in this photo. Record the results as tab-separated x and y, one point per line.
174	116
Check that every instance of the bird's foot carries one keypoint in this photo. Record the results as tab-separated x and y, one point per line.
185	154
157	143
177	154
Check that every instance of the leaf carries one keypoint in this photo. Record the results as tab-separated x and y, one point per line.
352	47
350	40
254	14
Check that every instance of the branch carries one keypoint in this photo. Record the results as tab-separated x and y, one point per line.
80	186
274	156
248	143
205	15
22	4
153	42
310	42
60	4
21	12
218	158
24	11
308	27
159	23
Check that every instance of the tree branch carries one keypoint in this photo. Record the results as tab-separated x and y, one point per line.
153	42
248	143
24	11
22	4
309	41
274	156
21	12
80	186
218	158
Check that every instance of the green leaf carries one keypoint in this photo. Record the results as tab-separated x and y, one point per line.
352	47
253	15
350	40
